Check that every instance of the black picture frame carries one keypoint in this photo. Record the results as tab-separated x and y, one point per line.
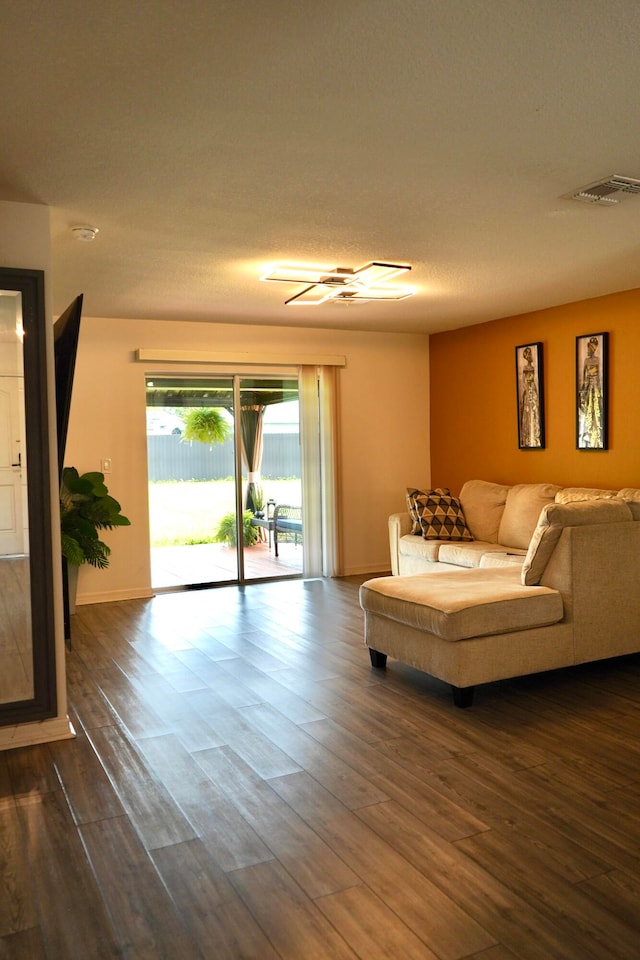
592	389
530	396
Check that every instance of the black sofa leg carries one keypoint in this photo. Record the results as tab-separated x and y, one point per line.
378	659
462	696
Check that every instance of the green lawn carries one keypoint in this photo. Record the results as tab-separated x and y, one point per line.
183	512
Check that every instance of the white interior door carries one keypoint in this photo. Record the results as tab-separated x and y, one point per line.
12	522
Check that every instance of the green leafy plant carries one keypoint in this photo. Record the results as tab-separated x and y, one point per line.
85	508
258	497
206	425
226	532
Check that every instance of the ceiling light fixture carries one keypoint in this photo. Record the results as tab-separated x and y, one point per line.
84	232
341	284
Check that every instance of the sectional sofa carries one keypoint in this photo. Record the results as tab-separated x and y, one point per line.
545	577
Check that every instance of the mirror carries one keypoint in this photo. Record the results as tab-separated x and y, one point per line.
27	634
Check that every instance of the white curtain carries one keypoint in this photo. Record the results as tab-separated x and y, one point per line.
329	448
318	431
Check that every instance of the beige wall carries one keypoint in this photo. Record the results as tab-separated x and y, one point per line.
384	435
24	238
473	398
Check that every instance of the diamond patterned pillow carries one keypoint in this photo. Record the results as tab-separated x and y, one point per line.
415	510
442	518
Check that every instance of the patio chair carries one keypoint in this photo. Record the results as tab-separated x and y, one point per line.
287	524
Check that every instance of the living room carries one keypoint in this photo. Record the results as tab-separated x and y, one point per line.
226	775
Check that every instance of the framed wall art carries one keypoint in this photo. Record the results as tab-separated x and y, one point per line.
530	392
592	384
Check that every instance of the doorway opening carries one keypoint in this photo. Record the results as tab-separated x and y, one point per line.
225	480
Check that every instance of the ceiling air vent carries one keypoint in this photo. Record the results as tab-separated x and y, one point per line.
608	191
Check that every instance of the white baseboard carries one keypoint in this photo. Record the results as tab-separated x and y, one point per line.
131	594
355	571
44	731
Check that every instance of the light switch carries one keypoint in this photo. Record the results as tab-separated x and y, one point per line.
106	465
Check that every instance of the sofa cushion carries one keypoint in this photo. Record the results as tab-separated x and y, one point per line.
522	510
415	508
465	554
571	494
411	546
469	603
556	516
442	518
483	503
506	558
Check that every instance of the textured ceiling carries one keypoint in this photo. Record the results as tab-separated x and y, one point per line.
207	140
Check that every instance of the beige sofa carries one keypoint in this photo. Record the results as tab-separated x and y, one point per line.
500	607
501	520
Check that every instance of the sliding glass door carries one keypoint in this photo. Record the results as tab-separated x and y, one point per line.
225	479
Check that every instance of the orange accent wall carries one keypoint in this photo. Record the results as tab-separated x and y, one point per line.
474	423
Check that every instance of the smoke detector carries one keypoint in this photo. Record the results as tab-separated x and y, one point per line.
85	232
606	192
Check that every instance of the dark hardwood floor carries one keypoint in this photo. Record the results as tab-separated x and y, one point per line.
245	785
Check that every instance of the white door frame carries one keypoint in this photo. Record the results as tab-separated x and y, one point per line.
13	512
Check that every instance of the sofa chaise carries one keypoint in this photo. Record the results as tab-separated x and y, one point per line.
549	577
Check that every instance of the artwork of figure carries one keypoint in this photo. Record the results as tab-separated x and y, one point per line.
530	433
590	401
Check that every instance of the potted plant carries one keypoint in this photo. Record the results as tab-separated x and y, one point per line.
226	532
85	508
257	496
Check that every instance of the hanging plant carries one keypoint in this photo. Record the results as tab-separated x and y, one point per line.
206	425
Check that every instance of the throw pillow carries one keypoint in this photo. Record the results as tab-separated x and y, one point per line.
442	518
413	507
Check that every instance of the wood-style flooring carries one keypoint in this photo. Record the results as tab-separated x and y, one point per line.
245	785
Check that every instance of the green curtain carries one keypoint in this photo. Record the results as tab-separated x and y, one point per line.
251	420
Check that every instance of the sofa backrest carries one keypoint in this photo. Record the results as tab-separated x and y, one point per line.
596	569
483	504
555	517
629	494
572	494
522	512
508	515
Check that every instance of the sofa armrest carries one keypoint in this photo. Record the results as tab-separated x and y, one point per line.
399	525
